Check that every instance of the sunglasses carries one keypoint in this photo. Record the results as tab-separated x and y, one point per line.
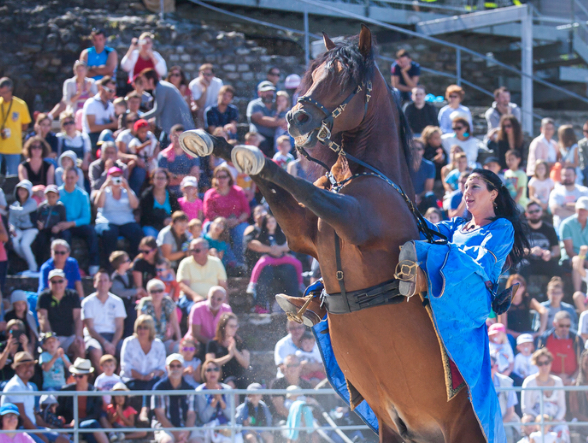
36	147
145	251
454	96
274	74
215	369
189	349
293	365
195	251
457	128
222	177
156	291
78	376
543	363
536	211
207	74
585	131
160	269
507	126
175	74
57	282
142	327
60	252
69	122
175	366
564	326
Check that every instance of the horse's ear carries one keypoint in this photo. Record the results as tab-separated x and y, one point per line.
365	40
328	42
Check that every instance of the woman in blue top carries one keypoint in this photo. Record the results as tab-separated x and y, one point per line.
157	203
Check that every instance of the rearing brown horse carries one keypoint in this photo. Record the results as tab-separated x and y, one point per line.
390	353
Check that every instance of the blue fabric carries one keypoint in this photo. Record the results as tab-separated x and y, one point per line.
71	271
77	205
461	303
95	59
299	410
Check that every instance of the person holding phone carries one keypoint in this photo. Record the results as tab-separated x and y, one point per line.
115	202
17	341
141	55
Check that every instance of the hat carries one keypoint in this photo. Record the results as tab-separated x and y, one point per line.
48	400
254	387
174	357
25	184
524	338
582	203
189	180
120	386
106	358
457	114
265	86
81	366
114	170
105	136
9	408
292	81
491	160
46	336
52	188
18	295
141	123
56	273
21	358
496	328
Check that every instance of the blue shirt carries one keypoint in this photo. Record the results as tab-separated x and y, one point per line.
181	165
415	70
216	118
54	377
95	59
71	270
254	107
419	178
77	205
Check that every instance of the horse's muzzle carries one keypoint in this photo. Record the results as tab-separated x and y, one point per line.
301	126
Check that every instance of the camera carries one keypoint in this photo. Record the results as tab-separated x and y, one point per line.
16	333
5	133
116	180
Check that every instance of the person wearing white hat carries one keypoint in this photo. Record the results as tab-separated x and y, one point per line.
523	366
263	117
291	85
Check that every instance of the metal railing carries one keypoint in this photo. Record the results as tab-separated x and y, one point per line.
234	428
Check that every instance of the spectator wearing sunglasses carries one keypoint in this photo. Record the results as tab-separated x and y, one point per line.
98	112
454	95
212	407
70	139
60	259
176	77
462	136
508	136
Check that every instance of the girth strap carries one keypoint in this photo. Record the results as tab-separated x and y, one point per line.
339	275
382	294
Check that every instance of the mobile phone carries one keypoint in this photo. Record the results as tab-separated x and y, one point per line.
16	333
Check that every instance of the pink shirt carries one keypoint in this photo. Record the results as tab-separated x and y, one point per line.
3	256
234	203
190	208
200	314
18	438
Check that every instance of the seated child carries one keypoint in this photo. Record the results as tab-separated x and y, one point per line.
540	437
195	228
145	146
122	415
189	202
189	349
217	237
53	362
49	214
66	160
48	405
108	379
522	362
166	274
254	412
310	354
462	166
123	286
500	348
283	156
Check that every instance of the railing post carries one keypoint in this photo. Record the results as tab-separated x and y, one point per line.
458	65
233	417
542	420
76	419
306	36
527	69
161	7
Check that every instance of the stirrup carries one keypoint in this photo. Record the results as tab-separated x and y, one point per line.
406	272
298	316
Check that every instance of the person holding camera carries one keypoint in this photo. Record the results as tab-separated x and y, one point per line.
141	55
16	341
115	202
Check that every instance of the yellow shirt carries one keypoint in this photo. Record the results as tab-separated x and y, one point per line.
16	115
201	278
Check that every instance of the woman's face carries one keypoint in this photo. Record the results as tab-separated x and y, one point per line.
544	365
435	139
160	180
212	373
175	77
142	331
69	125
45	126
271	223
81	71
9	422
454	99
222	178
218	226
180	227
188	350
36	150
281	101
460	129
231	328
507	126
477	197
146	43
23	194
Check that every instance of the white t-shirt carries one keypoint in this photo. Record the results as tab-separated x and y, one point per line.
503	353
560	196
94	106
285	347
211	92
542	188
125	136
15	384
308	356
105	383
146	152
538	437
103	314
470	147
523	366
583	325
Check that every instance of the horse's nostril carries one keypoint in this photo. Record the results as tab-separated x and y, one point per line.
302	117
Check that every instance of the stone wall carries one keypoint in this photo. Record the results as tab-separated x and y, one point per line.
39	44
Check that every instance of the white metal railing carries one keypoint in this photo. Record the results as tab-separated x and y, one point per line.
233	427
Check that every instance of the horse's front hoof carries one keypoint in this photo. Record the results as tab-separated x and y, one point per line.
247	159
196	143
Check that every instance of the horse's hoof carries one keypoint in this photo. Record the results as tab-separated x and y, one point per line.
292	305
247	159
196	143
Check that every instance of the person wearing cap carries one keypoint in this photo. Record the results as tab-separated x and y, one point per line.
122	415
523	365
20	219
144	145
20	310
91	414
173	237
172	411
493	164
224	114
462	136
98	112
103	315
254	412
191	205
98	171
100	59
178	164
24	368
116	202
562	199
291	86
169	108
9	421
263	117
141	55
454	95
59	312
49	214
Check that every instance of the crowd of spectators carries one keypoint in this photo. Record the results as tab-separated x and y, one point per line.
161	233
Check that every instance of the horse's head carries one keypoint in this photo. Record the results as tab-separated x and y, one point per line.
335	91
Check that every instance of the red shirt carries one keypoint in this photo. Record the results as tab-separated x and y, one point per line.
564	357
142	64
234	203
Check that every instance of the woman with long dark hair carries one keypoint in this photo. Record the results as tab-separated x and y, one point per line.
509	136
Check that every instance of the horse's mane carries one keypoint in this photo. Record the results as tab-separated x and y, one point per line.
356	69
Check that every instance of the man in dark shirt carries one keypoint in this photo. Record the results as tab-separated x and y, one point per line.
59	310
405	74
419	113
291	370
172	411
544	253
224	115
422	174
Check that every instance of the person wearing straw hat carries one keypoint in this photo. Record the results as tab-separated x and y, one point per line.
122	415
24	367
90	410
9	421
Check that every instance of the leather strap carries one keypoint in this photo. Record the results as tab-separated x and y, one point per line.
339	275
382	294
